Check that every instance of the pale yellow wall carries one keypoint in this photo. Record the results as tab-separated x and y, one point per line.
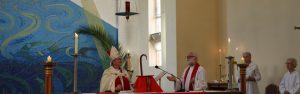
198	30
265	28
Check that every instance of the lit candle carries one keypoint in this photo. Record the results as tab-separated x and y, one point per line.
242	60
220	55
236	52
49	59
76	44
229	46
128	60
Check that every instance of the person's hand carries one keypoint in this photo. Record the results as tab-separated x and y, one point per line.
171	78
286	92
250	79
118	88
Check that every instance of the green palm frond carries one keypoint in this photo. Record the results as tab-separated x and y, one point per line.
98	32
106	41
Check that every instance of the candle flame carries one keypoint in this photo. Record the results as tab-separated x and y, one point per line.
236	48
49	59
229	40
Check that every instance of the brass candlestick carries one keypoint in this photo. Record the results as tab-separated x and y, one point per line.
220	67
243	76
48	68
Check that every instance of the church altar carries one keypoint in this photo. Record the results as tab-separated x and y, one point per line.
217	86
192	92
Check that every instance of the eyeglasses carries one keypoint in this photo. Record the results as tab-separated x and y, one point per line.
190	57
288	63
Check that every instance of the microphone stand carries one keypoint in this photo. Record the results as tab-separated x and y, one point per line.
181	87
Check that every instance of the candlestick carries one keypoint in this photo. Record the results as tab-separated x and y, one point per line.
76	44
49	59
230	72
48	72
75	73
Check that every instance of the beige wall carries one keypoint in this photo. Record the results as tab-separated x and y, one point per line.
198	30
265	27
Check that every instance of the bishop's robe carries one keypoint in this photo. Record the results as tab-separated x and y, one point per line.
290	82
112	77
195	72
251	71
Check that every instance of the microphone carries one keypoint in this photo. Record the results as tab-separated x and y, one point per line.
181	87
164	71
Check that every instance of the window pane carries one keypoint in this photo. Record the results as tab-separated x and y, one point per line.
157	8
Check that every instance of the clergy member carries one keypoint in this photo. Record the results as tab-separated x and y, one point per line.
252	75
193	78
290	81
115	78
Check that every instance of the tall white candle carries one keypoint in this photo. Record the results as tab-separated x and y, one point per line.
220	56
236	53
49	59
229	46
76	44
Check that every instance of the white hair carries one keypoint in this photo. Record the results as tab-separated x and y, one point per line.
247	53
293	60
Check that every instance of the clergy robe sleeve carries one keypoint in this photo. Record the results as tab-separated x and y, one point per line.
160	75
295	90
257	75
107	81
178	82
281	85
200	80
237	75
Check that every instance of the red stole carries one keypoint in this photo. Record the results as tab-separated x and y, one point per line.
126	82
196	66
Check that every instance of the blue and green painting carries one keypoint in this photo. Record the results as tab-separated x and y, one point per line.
30	30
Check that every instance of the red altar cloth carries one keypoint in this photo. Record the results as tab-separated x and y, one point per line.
155	93
146	84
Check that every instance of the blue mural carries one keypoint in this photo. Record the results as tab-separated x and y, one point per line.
30	30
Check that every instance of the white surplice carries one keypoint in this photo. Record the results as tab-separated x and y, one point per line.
251	71
109	76
200	80
290	83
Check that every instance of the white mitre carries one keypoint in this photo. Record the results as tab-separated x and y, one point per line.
113	53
